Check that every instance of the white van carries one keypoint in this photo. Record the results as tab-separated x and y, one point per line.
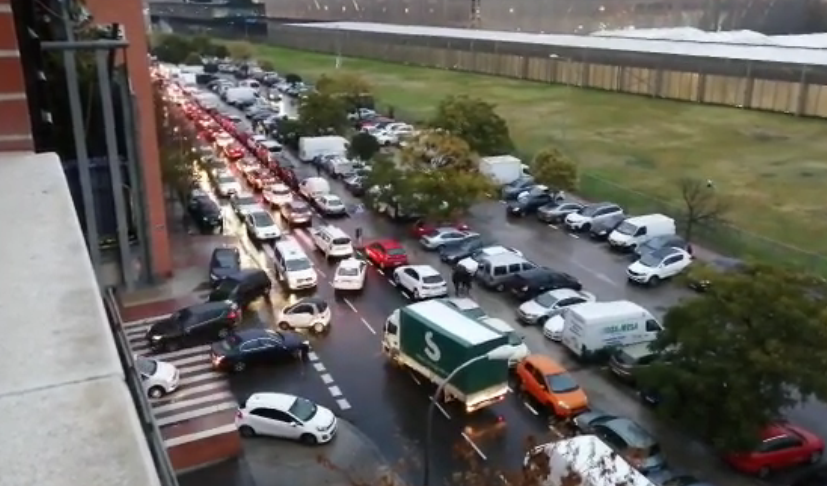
595	327
293	267
591	459
519	350
235	96
638	230
332	241
312	147
313	187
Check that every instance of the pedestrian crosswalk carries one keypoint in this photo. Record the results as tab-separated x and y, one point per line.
201	404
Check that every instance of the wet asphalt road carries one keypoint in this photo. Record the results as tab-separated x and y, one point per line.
389	405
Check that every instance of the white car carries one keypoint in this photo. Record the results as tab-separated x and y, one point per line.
224	139
361	114
550	303
158	377
311	313
226	185
553	326
330	205
285	416
261	226
472	263
277	194
441	237
582	220
253	141
350	274
420	281
659	265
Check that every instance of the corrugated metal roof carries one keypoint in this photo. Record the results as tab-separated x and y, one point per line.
779	52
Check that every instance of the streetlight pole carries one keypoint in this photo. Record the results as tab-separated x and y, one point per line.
502	353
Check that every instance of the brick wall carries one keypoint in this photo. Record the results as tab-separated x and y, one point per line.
15	125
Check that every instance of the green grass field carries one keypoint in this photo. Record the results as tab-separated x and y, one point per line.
633	149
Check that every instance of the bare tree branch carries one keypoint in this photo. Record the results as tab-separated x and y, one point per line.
702	203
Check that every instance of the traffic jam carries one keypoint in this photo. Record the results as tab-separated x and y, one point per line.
312	259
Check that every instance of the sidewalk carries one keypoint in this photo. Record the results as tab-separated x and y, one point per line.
353	460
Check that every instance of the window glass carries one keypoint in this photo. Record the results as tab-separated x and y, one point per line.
653	326
562	383
341	241
298	264
432	279
303	409
514	268
500	270
146	366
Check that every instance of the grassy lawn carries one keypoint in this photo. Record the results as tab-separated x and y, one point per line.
632	149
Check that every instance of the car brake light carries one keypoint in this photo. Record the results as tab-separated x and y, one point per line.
232	315
239	415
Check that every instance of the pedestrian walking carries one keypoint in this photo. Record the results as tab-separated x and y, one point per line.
456	279
467	281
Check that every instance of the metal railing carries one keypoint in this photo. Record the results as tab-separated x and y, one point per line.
166	473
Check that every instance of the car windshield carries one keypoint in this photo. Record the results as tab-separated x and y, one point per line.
650	260
588	210
303	409
300	208
146	366
348	271
226	179
263	219
280	191
333	202
546	300
626	228
433	232
226	259
432	279
514	339
561	383
396	251
245	201
475	313
298	264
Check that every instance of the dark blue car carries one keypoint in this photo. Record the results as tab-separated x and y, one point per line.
252	347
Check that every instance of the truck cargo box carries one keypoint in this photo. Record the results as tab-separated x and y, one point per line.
441	339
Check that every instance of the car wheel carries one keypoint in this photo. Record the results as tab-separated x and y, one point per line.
239	366
156	392
308	439
654	281
318	328
499	288
763	472
586	227
223	333
284	326
416	295
246	431
396	278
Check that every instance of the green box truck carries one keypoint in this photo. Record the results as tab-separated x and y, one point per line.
432	339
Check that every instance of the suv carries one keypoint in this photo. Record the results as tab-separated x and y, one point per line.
626	360
242	287
194	325
530	284
590	214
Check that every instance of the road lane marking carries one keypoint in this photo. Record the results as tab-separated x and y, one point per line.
381	272
320	272
350	304
367	324
503	479
474	446
319	367
327	379
343	404
200	412
335	391
576	237
312	356
552	226
392	282
530	408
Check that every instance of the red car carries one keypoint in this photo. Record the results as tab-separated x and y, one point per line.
782	446
386	253
234	152
422	228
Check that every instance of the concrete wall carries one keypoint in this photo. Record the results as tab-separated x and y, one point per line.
761	86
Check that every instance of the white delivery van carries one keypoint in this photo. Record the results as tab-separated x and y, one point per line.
588	457
312	147
314	186
240	95
637	230
519	349
595	327
502	169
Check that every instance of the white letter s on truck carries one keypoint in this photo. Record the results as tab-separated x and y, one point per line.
431	349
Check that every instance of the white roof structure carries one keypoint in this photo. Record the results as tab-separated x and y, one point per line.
740	45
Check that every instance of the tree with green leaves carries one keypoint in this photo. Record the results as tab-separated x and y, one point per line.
322	114
702	204
363	146
266	65
351	87
193	59
289	131
552	168
475	121
240	51
733	359
172	49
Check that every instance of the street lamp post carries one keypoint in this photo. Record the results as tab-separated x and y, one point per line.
502	353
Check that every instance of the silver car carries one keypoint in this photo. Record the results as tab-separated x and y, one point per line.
244	204
548	304
556	212
442	237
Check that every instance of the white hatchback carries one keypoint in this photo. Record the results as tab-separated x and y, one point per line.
285	416
278	195
158	377
350	274
420	281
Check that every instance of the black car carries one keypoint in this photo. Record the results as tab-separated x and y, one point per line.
452	254
529	203
195	325
530	284
257	347
659	243
355	185
224	262
602	228
242	287
205	213
514	189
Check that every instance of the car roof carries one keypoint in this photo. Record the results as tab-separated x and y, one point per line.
225	249
425	270
243	195
505	258
279	401
494	250
632	433
545	364
666	252
249	334
311	300
560	294
637	351
351	262
462	303
389	244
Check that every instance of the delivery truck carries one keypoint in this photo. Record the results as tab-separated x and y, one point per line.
502	169
432	339
312	147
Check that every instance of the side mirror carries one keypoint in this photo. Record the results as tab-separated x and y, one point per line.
294	424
